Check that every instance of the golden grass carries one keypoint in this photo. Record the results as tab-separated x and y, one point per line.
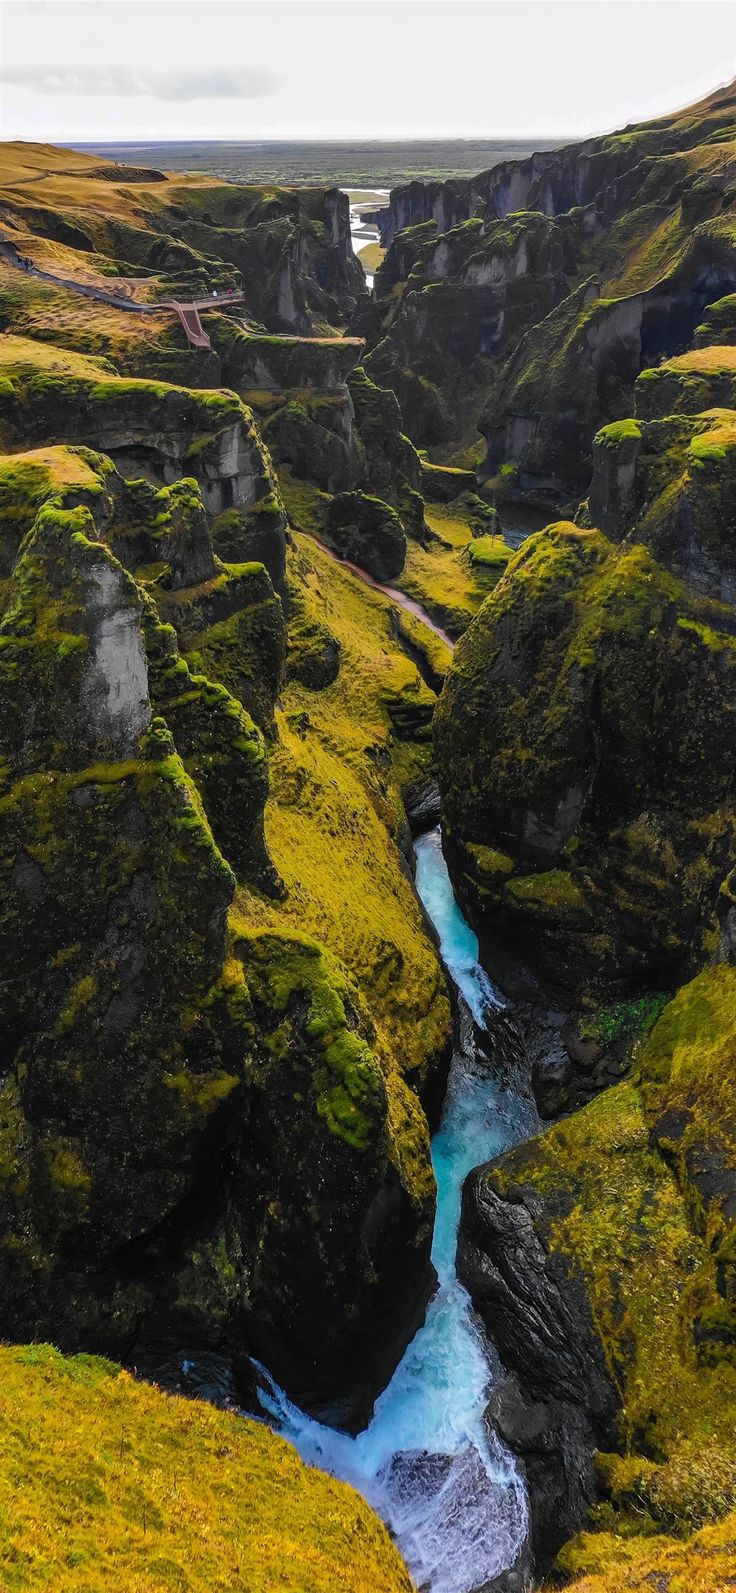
442	577
19	355
606	1563
371	256
336	805
51	314
717	357
108	1484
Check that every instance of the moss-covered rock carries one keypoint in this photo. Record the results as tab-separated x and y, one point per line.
158	1081
354	1150
619	1325
392	465
582	731
669	482
367	531
150	428
526	300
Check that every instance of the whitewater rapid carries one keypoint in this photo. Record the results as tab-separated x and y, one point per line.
451	1494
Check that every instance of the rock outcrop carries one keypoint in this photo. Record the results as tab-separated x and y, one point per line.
155	1052
525	302
581	740
601	1256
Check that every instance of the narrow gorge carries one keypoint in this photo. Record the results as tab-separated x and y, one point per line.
368	835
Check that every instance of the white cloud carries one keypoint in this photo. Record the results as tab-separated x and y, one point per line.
118	80
245	69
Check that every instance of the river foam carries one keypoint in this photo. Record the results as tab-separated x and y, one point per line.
449	1491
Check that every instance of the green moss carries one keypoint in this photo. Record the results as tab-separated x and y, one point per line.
555	891
346	1081
619	431
489	551
591	656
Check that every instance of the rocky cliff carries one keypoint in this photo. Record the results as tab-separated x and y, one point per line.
213	1119
601	1257
582	741
523	304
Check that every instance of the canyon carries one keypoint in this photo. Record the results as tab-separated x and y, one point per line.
367	823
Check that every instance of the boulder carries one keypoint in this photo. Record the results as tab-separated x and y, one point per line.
367	531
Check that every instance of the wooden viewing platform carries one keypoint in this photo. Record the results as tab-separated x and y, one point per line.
189	314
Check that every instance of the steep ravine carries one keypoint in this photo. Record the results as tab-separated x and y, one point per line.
452	1495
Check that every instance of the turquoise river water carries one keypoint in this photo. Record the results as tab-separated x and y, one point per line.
450	1493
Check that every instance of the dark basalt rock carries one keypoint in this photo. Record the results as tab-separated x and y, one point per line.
540	1320
171	1185
367	531
555	735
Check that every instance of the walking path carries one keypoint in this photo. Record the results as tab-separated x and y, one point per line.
188	313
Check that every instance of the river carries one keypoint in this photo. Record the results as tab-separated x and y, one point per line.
451	1494
364	232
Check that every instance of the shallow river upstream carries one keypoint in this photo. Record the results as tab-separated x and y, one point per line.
450	1493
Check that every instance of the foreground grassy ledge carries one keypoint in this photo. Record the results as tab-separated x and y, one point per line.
107	1483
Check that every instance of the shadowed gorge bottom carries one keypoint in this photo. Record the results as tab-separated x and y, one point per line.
449	1491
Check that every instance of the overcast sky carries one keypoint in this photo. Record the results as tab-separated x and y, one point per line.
74	70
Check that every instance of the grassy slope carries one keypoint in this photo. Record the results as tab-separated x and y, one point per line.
603	1563
106	1482
621	1212
336	775
444	576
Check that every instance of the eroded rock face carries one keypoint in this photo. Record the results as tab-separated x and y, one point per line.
150	429
580	739
581	1250
466	296
526	301
191	1109
369	532
670	482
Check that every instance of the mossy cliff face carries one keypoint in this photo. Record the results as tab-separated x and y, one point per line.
619	1326
525	302
584	748
188	1102
107	1482
348	442
159	236
466	295
670	479
149	428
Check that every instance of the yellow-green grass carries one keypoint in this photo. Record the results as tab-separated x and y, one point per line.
443	576
366	196
62	261
607	1563
335	815
21	355
371	256
34	309
629	1225
137	345
107	1485
20	161
716	357
28	478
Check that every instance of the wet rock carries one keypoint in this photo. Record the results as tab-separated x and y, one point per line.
422	803
541	1323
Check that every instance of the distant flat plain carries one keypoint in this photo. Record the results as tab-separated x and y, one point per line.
373	164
